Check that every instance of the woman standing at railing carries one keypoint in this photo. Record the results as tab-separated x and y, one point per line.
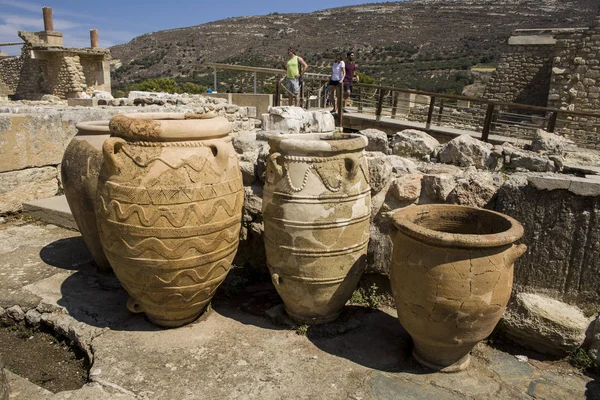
337	77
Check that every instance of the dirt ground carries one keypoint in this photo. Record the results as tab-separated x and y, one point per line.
42	359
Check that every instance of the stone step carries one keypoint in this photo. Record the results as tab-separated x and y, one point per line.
53	210
21	389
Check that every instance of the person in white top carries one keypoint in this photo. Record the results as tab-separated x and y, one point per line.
337	77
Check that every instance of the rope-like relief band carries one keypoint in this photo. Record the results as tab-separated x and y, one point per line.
195	143
315	159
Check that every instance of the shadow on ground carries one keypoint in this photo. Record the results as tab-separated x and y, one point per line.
246	297
96	298
592	390
369	337
68	253
379	342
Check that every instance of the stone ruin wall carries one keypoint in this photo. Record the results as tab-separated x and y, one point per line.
557	68
575	81
522	76
10	70
60	74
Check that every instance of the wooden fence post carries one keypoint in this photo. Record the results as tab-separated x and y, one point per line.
394	104
430	112
277	94
340	106
552	121
382	94
487	122
441	112
360	100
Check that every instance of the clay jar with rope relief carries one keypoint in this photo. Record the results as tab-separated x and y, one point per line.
316	210
169	208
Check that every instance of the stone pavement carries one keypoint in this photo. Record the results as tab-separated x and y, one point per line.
234	351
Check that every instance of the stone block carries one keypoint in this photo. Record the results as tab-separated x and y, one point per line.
414	143
531	40
296	120
73	102
28	184
406	188
52	210
378	140
594	350
31	140
544	324
466	151
550	142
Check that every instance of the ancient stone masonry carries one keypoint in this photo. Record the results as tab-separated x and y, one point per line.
47	67
10	69
556	68
522	76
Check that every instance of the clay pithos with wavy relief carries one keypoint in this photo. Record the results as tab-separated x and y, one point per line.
79	173
169	211
452	276
316	210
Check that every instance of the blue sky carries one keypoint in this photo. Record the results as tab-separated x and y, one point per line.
120	21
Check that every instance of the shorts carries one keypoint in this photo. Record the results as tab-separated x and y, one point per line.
347	87
333	83
293	85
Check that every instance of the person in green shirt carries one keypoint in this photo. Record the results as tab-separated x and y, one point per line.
295	67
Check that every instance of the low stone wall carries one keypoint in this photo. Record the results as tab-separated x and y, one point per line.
33	140
562	229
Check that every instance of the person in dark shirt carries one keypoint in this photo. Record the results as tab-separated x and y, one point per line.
349	78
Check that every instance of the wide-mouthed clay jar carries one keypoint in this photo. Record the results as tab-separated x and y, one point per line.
316	210
169	211
79	173
452	276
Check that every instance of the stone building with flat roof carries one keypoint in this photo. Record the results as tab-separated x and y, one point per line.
558	68
47	67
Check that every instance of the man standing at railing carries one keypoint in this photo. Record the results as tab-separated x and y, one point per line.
295	67
349	78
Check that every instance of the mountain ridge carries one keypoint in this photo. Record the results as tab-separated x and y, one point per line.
395	41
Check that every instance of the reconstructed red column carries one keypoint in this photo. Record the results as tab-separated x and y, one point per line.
48	23
94	38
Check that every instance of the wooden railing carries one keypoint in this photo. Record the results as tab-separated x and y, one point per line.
437	110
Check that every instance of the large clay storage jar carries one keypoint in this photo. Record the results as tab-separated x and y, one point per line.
452	276
169	210
79	173
316	209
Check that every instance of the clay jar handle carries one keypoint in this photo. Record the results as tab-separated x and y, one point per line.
272	160
352	164
276	279
134	306
110	148
220	151
516	251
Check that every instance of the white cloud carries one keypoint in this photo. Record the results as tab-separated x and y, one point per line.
24	22
37	23
37	8
22	5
